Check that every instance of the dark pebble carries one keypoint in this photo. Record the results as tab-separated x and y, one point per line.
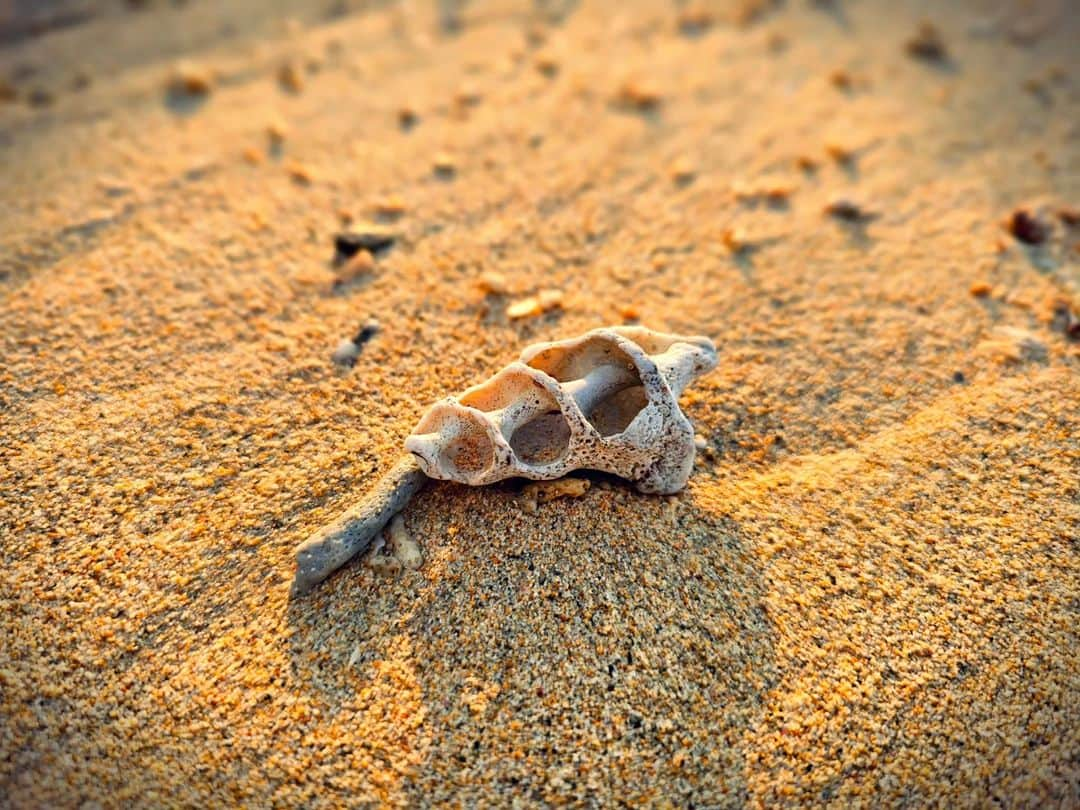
958	377
366	333
1027	228
848	211
927	44
348	243
39	98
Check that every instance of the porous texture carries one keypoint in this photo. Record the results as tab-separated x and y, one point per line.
867	595
607	401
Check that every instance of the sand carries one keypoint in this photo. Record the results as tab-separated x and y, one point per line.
869	594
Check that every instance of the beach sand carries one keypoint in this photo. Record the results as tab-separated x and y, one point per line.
869	593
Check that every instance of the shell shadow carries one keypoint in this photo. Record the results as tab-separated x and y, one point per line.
615	633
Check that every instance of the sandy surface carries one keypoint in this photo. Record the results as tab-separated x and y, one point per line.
870	591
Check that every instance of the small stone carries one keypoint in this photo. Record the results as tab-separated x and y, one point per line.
848	211
368	237
639	96
1028	228
367	332
1069	320
40	97
682	171
468	96
390	207
926	43
492	283
806	163
407	117
699	442
980	289
290	78
539	492
840	153
300	173
735	239
276	132
190	79
695	19
546	64
7	91
841	79
444	165
1069	216
345	354
535	304
396	552
253	156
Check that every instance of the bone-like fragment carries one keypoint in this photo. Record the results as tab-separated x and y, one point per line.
399	553
607	401
539	492
334	545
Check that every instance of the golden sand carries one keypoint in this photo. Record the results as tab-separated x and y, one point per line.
869	593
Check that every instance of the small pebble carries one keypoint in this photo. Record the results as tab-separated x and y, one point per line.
390	207
190	79
639	96
370	237
840	153
367	332
444	165
1028	228
539	492
39	97
682	171
407	117
492	283
290	78
980	289
926	43
848	211
345	354
535	304
300	173
1069	216
546	64
348	350
735	239
276	132
7	91
695	19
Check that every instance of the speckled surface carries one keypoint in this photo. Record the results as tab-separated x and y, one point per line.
868	595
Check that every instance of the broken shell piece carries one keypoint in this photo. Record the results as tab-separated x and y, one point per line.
543	491
606	401
535	304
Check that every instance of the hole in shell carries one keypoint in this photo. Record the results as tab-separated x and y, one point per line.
471	451
603	379
614	413
542	440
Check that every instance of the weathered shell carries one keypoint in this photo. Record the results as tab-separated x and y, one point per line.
607	400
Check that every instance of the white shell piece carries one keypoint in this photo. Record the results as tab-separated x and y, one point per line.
607	401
